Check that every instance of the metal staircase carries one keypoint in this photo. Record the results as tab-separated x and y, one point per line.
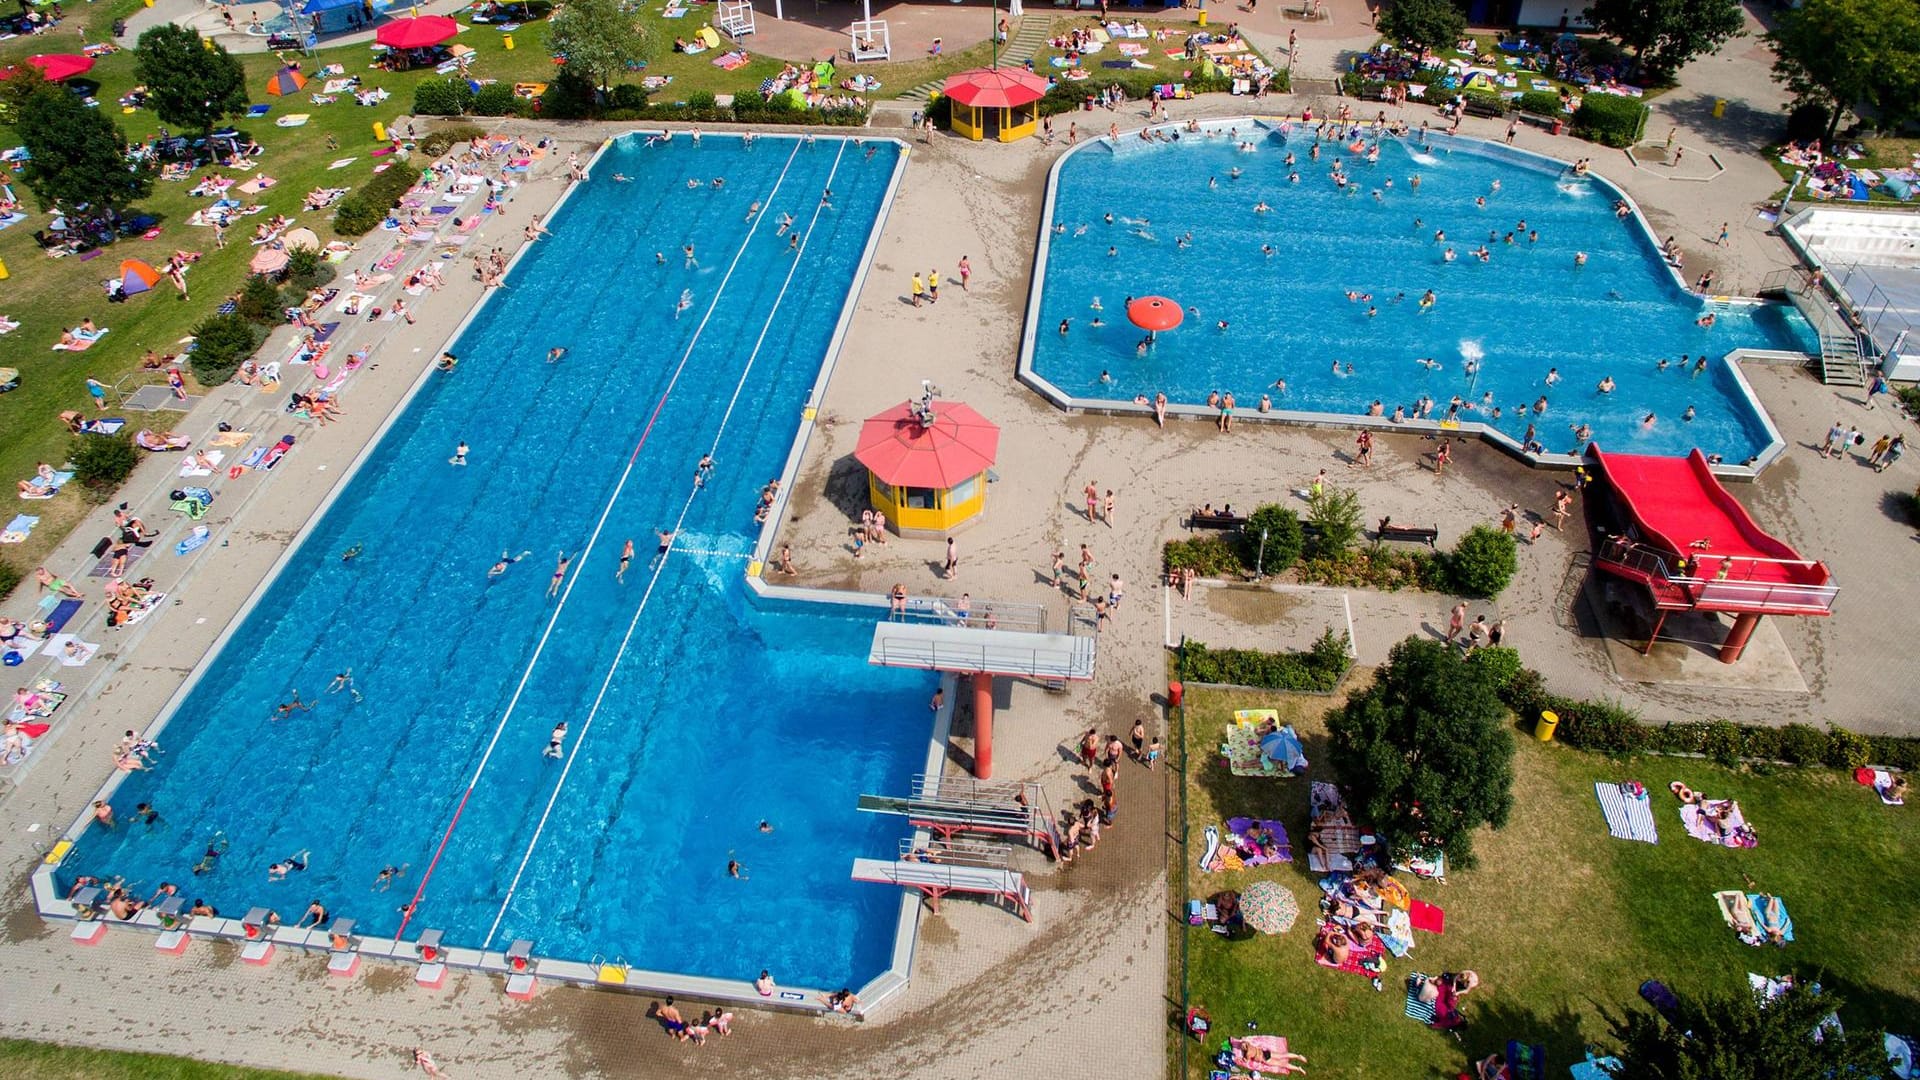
1843	357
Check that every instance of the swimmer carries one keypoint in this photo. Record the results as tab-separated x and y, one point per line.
1579	258
216	847
1096	305
1060	227
1606	384
687	250
447	361
1448	255
1553	376
1705	322
1097	321
626	556
659	258
1429	363
294	862
1688	415
1267	250
351	553
388	875
1647	421
719	182
685	302
286	708
786	222
1540	404
1582	432
506	560
556	740
735	870
1106	378
1063	326
559	573
621	178
344	681
1222	324
765	825
459	454
1279	386
666	539
1111	252
1427	299
1261	207
826	198
1079	230
1109	217
1233	173
793	241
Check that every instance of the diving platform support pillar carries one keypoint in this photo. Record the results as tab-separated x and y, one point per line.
1736	643
982	724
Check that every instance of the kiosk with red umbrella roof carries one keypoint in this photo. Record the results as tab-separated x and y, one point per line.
997	101
420	33
927	464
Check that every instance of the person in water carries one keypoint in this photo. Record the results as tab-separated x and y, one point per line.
506	560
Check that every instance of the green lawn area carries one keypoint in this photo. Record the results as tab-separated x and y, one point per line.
1560	920
23	1060
1881	154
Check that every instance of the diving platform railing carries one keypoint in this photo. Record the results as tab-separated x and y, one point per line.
950	805
983	614
1733	587
969	650
937	868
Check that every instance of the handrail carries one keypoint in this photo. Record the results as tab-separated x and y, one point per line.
1726	589
985	614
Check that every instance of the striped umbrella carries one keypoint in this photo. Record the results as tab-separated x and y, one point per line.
1269	907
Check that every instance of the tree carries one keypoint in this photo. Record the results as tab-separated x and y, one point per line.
1425	750
191	83
1665	34
77	156
1741	1036
1847	55
1334	519
599	40
1483	561
1271	541
1424	24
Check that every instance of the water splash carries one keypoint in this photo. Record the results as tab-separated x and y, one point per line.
1471	352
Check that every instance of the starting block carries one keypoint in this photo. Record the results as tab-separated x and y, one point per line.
257	953
88	932
520	987
171	942
432	976
343	964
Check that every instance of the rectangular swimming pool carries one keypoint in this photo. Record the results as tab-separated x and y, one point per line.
695	712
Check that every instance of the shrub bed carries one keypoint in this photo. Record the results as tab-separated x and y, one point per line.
1318	670
1376	567
1205	555
365	207
1610	120
441	140
1542	103
444	97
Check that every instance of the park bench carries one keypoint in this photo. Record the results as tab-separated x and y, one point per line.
1484	108
1221	522
1389	531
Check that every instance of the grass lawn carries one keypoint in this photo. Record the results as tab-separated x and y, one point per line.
1881	155
1561	921
24	1060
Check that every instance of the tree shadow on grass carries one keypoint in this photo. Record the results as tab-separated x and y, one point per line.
1864	1008
1491	1021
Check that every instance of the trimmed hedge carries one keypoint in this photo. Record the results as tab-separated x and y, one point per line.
1377	566
10	576
1610	120
1317	670
1066	97
1542	103
1610	728
441	140
365	207
495	99
1205	555
1497	104
443	97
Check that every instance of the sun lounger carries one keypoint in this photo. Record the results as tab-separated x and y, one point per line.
1629	816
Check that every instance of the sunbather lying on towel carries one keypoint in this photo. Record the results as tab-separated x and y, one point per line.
1773	919
1333	823
161	442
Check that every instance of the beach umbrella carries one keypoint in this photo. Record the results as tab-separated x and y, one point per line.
416	33
137	277
269	260
300	238
1269	907
1154	313
286	81
57	66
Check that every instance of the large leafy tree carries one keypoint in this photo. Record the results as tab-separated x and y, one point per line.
77	156
1849	55
1424	24
1665	34
599	40
191	83
1426	749
1742	1036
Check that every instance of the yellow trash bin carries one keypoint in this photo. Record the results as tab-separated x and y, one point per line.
1719	108
1543	728
1203	16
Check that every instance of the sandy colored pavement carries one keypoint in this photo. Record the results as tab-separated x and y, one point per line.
1080	992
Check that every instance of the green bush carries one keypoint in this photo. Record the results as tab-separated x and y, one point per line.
1280	548
364	208
1068	97
443	97
306	270
1205	555
702	99
10	576
441	140
1317	670
1333	522
101	462
494	99
260	301
627	96
1610	120
1377	567
1494	103
1542	103
1802	744
1502	664
1847	750
1723	743
220	344
1482	562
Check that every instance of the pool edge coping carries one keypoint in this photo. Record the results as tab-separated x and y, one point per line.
54	908
1769	452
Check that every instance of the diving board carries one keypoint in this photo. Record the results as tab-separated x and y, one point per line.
970	650
936	879
949	806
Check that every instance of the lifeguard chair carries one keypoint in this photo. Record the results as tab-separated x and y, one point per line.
735	18
870	40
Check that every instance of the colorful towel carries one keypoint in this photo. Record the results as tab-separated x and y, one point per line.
1734	832
63	611
1425	916
70	650
18	529
1244	828
1629	817
1419	1010
1366	961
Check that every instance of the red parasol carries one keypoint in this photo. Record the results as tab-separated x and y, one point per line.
57	66
996	88
416	33
1154	313
899	449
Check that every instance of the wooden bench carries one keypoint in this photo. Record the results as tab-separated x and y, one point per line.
1221	522
1481	108
1389	531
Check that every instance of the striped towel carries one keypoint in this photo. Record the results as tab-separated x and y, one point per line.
1419	1010
1627	818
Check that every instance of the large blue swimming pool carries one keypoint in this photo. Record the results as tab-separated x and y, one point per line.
708	711
1526	310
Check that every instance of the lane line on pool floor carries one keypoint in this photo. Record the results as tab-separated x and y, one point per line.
580	560
660	565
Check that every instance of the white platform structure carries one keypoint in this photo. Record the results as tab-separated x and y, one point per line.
734	18
870	40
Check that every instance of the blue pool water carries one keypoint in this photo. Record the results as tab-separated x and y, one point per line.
720	711
1529	309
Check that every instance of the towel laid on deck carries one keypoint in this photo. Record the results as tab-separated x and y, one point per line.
1629	817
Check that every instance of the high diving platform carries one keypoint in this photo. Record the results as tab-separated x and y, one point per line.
985	639
937	868
948	806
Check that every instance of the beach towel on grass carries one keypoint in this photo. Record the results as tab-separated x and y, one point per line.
1420	1010
1629	817
1737	835
1726	900
17	530
1358	959
1425	916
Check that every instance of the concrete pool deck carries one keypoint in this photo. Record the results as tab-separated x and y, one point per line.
1080	992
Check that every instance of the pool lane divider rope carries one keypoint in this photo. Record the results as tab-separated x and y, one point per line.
580	560
660	564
